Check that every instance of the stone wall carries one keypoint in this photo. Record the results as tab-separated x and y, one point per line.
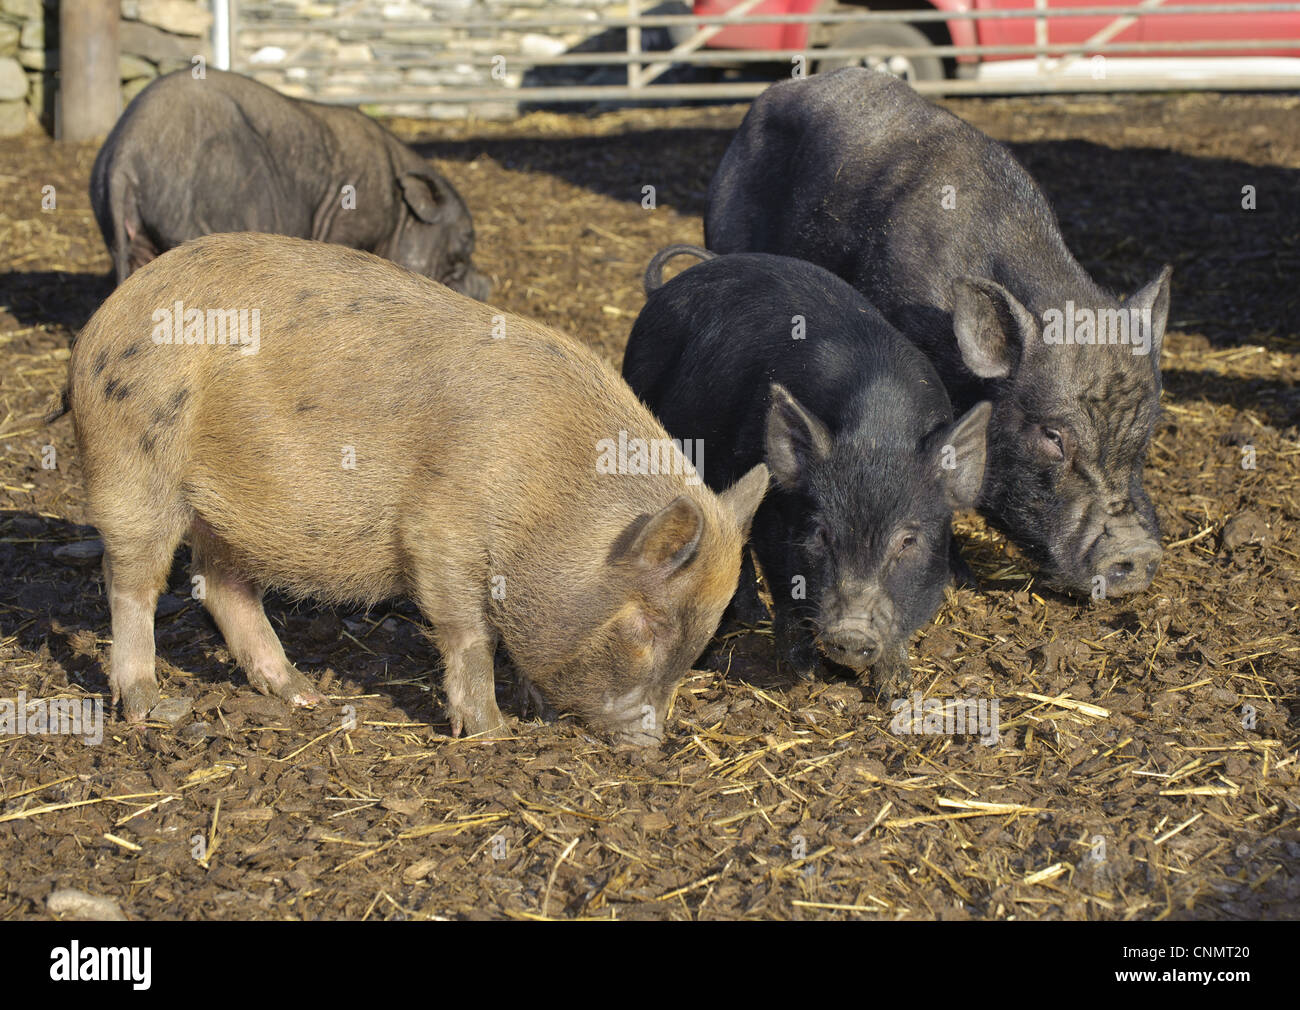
158	36
155	37
371	61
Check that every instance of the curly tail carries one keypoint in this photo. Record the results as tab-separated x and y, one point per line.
654	273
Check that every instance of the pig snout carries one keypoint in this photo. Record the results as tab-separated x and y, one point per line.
1126	562
859	634
1115	549
856	644
634	718
634	736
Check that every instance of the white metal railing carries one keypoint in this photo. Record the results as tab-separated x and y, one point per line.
223	34
644	67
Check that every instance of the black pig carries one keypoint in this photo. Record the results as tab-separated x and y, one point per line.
765	358
946	233
192	157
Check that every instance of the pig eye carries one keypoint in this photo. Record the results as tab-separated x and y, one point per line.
1053	443
909	540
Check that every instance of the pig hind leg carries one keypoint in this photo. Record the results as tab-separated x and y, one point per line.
132	246
139	250
235	603
137	558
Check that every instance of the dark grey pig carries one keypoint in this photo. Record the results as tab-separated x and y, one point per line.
768	359
950	238
191	157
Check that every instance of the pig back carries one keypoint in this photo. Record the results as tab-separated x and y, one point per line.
855	171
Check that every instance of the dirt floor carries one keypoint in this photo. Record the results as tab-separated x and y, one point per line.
1147	763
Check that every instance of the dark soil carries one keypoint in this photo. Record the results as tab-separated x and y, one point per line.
1147	763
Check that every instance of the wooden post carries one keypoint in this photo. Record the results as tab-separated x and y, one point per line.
90	85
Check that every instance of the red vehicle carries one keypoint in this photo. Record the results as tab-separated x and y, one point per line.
998	32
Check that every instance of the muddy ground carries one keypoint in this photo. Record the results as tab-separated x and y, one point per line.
1147	760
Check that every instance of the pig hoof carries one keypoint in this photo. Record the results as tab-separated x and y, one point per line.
309	698
801	671
291	686
531	703
883	693
138	698
488	727
889	680
490	731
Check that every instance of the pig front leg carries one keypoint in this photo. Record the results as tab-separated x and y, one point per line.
961	572
787	573
469	680
235	603
796	643
892	675
443	570
746	606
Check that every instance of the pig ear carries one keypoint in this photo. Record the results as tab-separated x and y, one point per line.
664	542
993	329
794	438
424	194
1155	296
743	497
960	451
